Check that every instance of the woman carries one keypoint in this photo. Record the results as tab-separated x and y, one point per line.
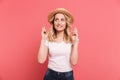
60	44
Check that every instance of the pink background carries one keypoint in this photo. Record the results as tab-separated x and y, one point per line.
98	23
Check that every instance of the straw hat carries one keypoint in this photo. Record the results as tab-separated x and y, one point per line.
60	10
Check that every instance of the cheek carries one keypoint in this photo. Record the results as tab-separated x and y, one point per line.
64	23
55	23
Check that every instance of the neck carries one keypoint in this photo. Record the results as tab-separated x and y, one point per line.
60	35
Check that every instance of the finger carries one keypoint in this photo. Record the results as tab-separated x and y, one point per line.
73	33
75	29
44	29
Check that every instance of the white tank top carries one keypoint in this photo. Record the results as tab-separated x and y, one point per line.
59	56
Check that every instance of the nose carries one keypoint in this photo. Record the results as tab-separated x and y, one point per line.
59	22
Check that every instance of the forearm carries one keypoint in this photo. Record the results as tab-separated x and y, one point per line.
42	52
74	54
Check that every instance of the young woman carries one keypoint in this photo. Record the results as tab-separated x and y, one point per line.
60	44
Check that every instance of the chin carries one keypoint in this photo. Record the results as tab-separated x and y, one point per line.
60	30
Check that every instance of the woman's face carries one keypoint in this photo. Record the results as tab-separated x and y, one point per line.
59	22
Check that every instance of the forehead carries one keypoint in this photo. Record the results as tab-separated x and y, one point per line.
59	15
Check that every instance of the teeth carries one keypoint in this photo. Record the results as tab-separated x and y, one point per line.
58	26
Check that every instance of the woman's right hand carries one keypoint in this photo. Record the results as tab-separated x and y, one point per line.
44	33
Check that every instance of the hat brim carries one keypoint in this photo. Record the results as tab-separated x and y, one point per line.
61	10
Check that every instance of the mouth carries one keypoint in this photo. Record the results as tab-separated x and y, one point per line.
59	26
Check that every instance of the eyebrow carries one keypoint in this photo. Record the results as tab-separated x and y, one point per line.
60	18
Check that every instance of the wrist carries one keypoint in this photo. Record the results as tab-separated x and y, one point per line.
42	40
75	42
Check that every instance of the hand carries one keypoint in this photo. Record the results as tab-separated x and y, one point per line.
74	36
44	33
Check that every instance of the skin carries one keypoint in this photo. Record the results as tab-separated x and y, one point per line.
59	25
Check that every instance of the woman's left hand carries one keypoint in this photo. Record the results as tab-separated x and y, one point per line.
74	36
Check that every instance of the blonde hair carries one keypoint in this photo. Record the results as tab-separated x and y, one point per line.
52	32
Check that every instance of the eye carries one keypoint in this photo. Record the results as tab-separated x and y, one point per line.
56	19
62	19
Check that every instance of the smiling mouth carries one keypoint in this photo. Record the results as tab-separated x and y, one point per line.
59	26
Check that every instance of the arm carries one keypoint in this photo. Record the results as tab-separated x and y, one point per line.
74	53
43	52
74	49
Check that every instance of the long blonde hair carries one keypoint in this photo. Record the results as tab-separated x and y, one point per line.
52	32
